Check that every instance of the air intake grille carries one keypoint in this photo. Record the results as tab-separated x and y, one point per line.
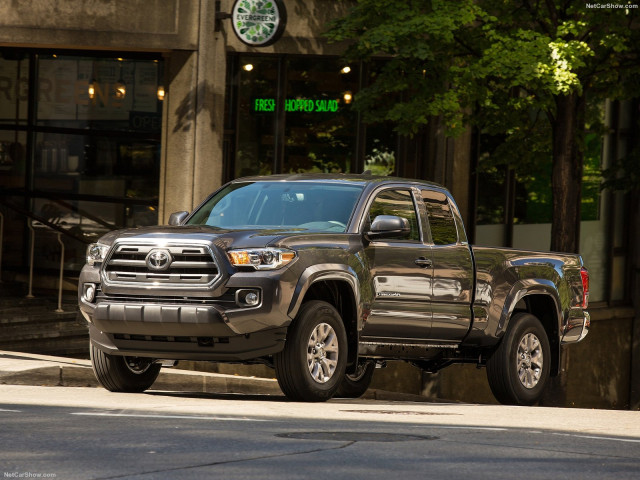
190	265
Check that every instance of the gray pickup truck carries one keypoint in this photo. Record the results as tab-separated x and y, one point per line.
322	277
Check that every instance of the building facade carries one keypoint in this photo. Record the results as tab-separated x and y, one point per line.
117	113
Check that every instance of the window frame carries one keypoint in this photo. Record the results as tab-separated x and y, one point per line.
418	208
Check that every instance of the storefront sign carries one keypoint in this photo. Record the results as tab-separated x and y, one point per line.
292	105
259	23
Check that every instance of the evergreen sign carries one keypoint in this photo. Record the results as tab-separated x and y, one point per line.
258	23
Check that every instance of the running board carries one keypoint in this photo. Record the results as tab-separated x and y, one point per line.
401	350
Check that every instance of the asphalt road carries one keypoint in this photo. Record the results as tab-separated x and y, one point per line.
89	433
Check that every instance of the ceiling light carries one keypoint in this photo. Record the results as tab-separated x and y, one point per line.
92	88
121	89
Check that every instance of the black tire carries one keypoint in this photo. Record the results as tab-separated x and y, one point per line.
308	371
518	370
354	385
123	374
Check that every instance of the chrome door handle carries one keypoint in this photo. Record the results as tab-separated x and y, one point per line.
423	262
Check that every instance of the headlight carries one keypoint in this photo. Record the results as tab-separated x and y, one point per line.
96	253
261	258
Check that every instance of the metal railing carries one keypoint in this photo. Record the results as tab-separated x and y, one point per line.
31	218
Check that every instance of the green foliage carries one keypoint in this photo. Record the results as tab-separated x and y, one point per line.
495	64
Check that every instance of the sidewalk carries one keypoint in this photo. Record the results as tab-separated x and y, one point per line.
32	369
43	370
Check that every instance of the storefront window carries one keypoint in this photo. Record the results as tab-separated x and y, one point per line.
380	149
295	115
319	126
257	81
14	85
90	159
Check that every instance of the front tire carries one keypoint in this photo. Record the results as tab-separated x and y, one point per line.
313	362
518	370
354	385
123	374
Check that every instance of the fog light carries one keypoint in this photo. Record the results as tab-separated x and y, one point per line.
89	292
248	297
251	299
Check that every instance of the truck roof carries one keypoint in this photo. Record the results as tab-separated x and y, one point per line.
362	178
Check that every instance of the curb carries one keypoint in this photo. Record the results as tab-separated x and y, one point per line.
41	370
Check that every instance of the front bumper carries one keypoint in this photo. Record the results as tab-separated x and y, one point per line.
187	326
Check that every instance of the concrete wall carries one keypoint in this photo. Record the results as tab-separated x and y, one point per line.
142	25
598	372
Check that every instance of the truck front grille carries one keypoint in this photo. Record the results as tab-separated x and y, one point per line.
187	265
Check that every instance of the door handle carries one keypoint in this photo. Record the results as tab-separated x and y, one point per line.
423	262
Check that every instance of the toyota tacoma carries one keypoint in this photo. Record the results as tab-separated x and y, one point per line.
322	277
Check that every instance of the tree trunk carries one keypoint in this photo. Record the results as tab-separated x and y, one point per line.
566	178
566	185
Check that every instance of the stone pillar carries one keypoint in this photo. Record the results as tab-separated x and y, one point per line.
193	119
211	76
178	135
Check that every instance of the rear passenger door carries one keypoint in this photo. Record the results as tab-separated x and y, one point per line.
452	284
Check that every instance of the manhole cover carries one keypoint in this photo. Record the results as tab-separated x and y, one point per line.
356	436
398	412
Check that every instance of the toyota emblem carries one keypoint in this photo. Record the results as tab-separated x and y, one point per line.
158	260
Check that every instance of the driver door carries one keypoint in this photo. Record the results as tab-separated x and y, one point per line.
401	272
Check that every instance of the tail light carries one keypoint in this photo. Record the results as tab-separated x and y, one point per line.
584	273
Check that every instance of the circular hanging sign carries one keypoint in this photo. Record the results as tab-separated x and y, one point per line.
258	23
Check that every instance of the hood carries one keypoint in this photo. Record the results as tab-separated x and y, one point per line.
224	239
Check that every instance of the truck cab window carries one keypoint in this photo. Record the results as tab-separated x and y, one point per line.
398	203
441	221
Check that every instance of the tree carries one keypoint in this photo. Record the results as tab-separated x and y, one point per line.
521	69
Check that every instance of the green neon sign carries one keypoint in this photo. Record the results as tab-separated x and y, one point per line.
293	105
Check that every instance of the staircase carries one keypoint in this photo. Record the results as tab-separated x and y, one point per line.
32	325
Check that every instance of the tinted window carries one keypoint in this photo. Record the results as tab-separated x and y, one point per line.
323	207
398	203
441	221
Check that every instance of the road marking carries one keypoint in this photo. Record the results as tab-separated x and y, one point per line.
188	417
6	410
492	429
595	437
449	427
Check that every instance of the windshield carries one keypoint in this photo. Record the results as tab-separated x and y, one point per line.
316	206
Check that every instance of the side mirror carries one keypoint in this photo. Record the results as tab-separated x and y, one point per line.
177	218
388	226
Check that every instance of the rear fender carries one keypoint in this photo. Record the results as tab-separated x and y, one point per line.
526	290
522	289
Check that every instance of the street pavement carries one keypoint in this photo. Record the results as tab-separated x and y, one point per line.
201	426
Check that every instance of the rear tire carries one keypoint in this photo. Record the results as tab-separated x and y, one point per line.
518	370
354	385
313	362
123	374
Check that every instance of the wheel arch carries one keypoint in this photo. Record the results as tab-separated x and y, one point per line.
541	300
338	287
